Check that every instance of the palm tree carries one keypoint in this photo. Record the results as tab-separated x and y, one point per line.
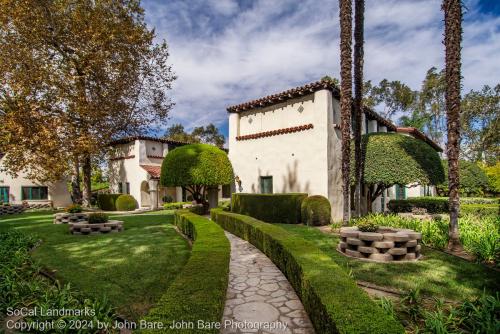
452	40
359	17
345	99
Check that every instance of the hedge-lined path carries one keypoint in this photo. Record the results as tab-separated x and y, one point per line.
258	292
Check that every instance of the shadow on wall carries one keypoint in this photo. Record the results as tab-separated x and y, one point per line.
290	181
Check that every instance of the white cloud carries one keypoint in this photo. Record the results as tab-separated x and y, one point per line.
225	53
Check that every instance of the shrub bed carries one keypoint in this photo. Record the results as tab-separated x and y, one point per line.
199	291
107	202
316	211
174	205
271	208
440	205
479	235
480	209
22	285
333	301
126	203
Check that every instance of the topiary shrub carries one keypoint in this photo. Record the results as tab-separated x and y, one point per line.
316	211
195	167
107	202
75	208
126	203
271	208
98	218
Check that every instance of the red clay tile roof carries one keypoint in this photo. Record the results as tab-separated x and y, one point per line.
417	134
276	132
302	91
122	158
126	140
154	171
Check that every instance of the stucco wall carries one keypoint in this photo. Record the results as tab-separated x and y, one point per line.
57	191
296	161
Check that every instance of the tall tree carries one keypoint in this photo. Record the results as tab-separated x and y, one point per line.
432	103
480	121
395	96
345	100
452	41
359	17
76	74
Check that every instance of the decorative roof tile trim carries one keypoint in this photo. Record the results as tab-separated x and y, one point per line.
123	158
126	140
417	134
154	171
155	157
302	91
276	132
284	96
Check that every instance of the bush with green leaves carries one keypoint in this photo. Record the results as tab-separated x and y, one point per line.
97	218
198	292
196	167
331	297
126	203
175	205
316	211
75	208
22	285
107	202
167	199
367	226
271	208
473	180
391	158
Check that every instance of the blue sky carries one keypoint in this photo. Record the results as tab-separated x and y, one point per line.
226	52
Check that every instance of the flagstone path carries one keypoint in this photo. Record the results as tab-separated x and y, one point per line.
258	292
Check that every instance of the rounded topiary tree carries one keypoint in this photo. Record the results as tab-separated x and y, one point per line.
126	203
316	211
391	158
196	167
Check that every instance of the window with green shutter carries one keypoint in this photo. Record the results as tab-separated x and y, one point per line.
266	184
4	194
34	193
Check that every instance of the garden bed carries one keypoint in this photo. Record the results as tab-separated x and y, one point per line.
66	218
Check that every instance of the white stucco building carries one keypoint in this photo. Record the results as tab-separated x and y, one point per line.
20	189
291	142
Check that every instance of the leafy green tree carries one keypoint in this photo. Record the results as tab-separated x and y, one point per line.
431	103
473	180
203	134
390	159
196	167
493	174
395	96
480	120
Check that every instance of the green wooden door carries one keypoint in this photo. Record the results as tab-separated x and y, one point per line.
266	184
4	194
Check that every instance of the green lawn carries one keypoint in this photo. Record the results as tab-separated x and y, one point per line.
437	275
132	268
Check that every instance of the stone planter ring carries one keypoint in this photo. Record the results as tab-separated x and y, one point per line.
111	226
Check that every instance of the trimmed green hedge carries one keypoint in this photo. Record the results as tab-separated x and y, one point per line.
271	208
126	203
199	291
316	211
107	202
334	302
441	205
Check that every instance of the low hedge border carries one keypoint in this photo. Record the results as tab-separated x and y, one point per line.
107	202
441	205
199	291
334	302
271	208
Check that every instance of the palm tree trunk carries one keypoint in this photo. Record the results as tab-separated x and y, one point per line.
452	40
345	100
359	17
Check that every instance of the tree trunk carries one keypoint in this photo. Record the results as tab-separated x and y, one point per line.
76	192
452	40
87	173
359	16
345	100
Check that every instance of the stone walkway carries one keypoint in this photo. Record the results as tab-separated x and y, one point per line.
260	295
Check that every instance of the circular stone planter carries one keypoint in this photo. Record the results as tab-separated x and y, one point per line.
387	244
66	218
111	226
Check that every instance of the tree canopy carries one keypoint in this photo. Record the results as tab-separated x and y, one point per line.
390	158
196	167
473	180
202	134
